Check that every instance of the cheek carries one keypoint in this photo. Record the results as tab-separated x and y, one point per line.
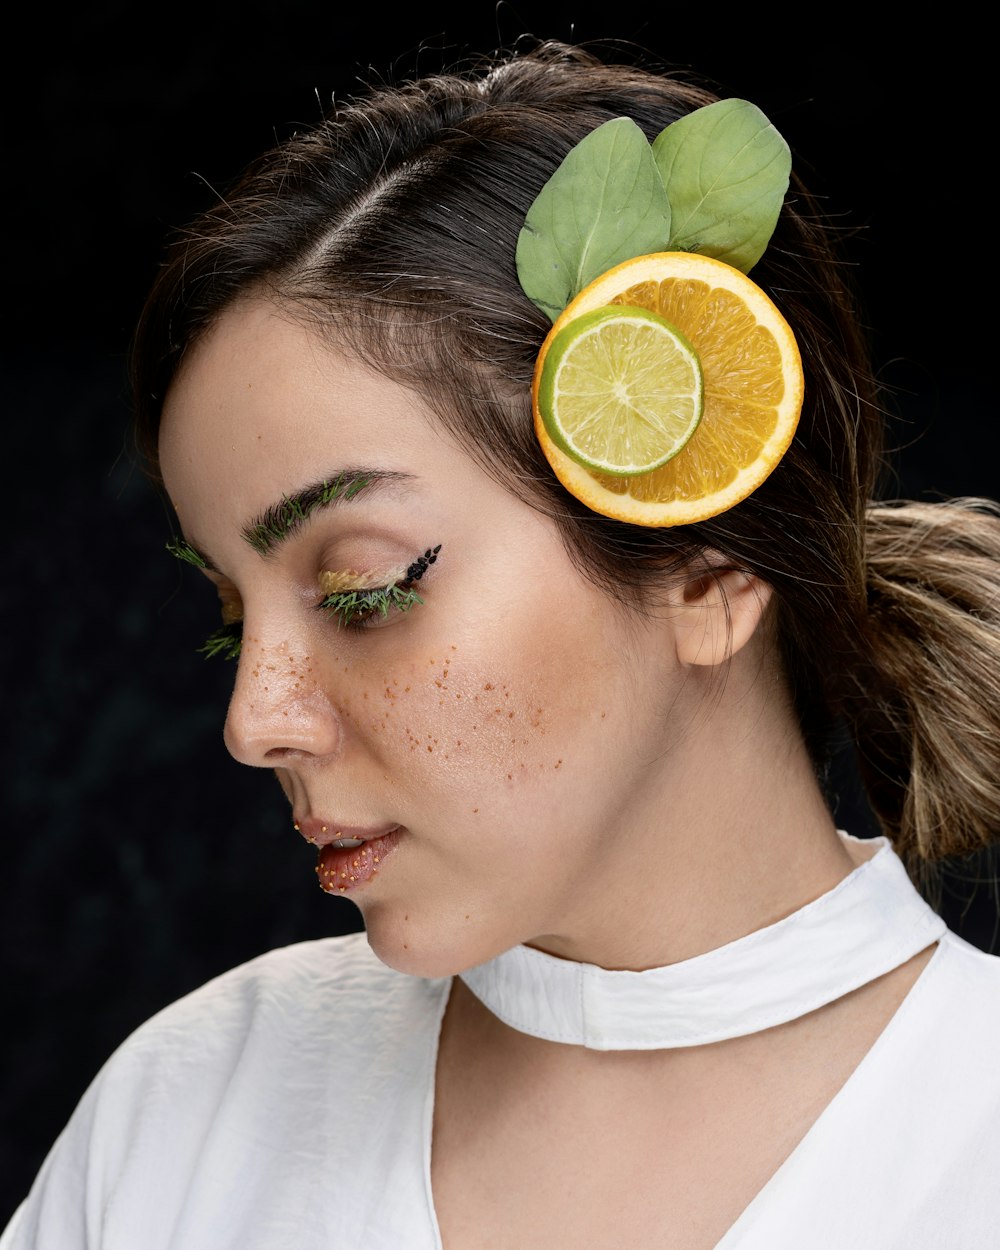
454	723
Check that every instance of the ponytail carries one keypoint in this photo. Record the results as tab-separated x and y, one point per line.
926	715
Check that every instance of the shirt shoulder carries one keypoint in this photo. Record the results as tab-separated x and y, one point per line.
305	989
258	1081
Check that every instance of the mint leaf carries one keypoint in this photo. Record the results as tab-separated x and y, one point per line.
726	169
603	205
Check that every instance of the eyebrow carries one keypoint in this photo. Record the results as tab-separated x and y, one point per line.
266	531
269	529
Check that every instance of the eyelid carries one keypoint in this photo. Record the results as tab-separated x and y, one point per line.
336	581
333	581
231	602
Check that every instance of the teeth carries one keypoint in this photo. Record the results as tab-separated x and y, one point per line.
347	844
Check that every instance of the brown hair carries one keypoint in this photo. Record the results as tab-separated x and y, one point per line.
393	225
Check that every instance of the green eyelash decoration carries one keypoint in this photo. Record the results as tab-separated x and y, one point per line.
184	551
353	606
225	642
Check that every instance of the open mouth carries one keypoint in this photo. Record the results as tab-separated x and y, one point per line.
345	863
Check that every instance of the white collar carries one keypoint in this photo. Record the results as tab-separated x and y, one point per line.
871	922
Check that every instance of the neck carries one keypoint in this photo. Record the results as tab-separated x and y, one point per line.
731	833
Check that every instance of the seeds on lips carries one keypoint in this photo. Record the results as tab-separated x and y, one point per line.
344	863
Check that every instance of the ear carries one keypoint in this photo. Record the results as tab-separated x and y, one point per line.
716	610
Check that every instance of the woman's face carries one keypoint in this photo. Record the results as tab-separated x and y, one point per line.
512	725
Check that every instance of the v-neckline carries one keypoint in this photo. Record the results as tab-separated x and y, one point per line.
899	938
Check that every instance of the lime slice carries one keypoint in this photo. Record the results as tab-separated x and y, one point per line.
620	390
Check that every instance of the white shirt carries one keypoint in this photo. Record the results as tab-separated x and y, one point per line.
288	1104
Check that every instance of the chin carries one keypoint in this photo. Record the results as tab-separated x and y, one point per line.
431	947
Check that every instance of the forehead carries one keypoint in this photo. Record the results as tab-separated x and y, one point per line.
262	405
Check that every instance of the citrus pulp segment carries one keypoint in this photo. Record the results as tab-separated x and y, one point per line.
621	390
753	389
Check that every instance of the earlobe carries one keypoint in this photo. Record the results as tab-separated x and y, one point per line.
717	611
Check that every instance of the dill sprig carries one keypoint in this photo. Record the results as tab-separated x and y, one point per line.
351	606
224	643
280	520
183	550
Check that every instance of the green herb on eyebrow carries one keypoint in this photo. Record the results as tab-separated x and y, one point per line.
225	642
352	605
281	519
183	550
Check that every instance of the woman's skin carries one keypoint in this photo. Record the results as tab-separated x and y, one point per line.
623	790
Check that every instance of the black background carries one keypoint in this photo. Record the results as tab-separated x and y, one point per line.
139	859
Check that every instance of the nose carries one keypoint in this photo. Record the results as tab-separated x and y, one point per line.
279	708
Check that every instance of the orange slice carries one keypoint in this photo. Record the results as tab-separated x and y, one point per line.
753	389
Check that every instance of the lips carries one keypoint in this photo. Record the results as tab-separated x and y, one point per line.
324	832
342	868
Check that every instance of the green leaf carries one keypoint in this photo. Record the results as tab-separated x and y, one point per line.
726	169
603	205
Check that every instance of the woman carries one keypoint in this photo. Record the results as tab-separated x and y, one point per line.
622	981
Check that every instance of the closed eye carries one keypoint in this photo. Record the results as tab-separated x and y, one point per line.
360	609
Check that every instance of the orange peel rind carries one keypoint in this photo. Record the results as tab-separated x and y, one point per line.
753	389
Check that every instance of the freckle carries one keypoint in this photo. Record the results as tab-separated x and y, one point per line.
458	742
488	686
430	749
438	684
406	917
406	690
603	714
510	777
458	696
510	715
405	947
474	810
453	647
467	917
